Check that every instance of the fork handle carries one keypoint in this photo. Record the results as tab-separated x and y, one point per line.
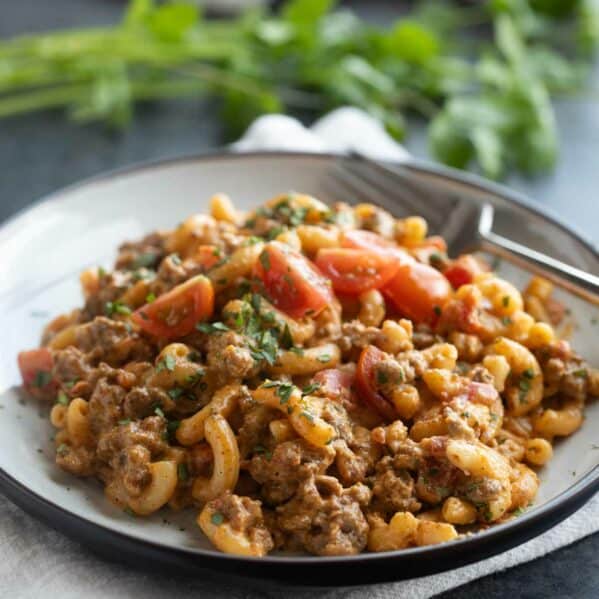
583	284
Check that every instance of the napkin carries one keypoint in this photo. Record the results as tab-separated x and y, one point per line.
36	561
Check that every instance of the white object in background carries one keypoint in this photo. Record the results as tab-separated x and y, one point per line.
341	130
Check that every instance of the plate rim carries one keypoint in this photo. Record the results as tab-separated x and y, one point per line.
534	522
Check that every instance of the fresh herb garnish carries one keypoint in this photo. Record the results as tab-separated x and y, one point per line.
265	260
212	327
324	358
62	398
116	307
217	518
167	363
42	378
150	297
182	472
311	388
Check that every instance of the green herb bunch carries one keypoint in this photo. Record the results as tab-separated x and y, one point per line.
487	98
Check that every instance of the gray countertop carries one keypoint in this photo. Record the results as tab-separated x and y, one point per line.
43	152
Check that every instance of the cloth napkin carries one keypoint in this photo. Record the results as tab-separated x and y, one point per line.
36	561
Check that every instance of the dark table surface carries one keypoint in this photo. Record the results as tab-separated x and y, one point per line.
43	152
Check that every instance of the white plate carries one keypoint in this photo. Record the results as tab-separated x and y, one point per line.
44	248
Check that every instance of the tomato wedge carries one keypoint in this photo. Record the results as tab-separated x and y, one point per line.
463	270
367	240
334	383
418	291
176	313
291	281
36	371
355	271
365	386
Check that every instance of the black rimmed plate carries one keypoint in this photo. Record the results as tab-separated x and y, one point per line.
45	247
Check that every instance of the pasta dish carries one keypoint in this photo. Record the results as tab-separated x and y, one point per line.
313	378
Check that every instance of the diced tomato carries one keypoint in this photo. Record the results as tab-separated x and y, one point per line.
365	386
354	271
366	240
291	281
176	313
418	291
334	383
463	270
207	256
36	371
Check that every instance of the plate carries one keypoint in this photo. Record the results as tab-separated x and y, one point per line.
45	247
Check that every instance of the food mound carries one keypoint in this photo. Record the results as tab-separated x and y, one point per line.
310	378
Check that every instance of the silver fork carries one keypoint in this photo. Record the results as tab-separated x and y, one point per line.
465	226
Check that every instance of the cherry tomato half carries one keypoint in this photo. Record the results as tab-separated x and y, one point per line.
355	271
291	281
36	371
463	270
176	313
418	291
365	386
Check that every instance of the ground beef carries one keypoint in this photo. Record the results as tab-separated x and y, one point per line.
142	401
229	357
356	459
70	365
325	519
76	460
147	252
111	341
106	406
291	462
424	337
393	488
111	287
129	448
357	335
245	515
567	372
254	431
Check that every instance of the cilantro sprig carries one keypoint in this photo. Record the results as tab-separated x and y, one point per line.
307	57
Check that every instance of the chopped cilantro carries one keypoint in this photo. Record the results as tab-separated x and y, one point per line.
307	416
62	449
175	393
260	449
324	358
212	327
182	472
144	260
175	259
265	260
381	377
286	338
582	373
506	321
158	411
528	373
42	378
173	425
311	388
150	297
117	307
297	350
217	518
124	421
101	272
505	300
437	310
62	398
167	363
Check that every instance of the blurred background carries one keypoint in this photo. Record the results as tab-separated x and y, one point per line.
506	88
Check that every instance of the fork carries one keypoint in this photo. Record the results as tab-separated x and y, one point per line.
464	225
